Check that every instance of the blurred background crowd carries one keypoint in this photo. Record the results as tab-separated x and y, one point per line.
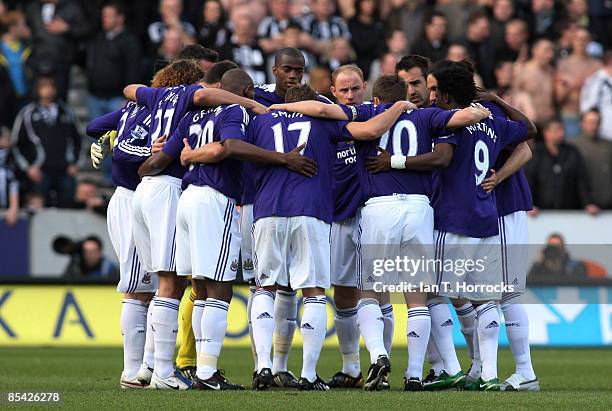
64	62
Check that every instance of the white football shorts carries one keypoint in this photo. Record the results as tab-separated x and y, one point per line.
207	235
514	239
154	211
344	253
132	276
469	267
292	251
394	231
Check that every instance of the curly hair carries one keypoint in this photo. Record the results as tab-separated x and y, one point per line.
456	80
177	73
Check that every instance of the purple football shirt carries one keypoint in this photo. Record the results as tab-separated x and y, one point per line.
284	193
206	126
413	133
131	143
461	205
513	194
168	106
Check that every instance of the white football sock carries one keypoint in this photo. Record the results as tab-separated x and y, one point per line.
133	330
517	330
214	326
252	290
389	323
313	328
433	356
285	314
348	340
196	322
262	320
488	339
165	326
371	327
418	328
466	316
476	367
149	348
442	331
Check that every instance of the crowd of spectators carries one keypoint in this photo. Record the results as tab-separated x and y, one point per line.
550	58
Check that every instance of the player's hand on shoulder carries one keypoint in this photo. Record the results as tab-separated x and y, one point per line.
381	162
259	108
480	111
186	153
489	183
158	144
277	107
408	106
295	161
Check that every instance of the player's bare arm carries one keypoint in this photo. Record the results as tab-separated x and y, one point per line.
520	156
207	154
467	116
212	97
380	124
440	157
155	164
312	108
512	112
293	160
129	92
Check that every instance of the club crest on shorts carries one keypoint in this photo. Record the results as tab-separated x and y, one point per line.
247	265
146	279
234	265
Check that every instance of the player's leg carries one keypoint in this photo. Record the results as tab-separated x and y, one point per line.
270	250
246	254
517	330
466	314
212	220
346	296
442	335
186	355
416	245
309	271
285	318
514	238
487	314
213	329
345	320
161	222
434	359
378	238
136	285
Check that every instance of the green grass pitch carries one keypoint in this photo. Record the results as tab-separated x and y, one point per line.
88	378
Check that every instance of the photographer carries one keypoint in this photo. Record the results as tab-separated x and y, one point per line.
87	260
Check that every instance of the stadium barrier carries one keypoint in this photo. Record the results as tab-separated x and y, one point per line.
26	249
53	315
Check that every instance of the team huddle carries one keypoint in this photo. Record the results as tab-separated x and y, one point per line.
212	170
